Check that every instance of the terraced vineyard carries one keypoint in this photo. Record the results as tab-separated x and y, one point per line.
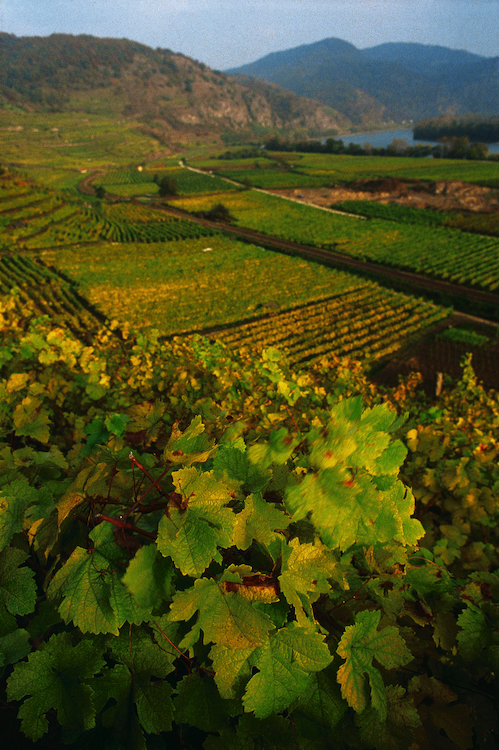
367	324
33	218
190	286
50	294
276	178
440	252
132	181
468	222
344	167
250	297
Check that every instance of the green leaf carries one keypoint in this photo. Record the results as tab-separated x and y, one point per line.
274	733
306	569
475	633
147	417
116	424
353	495
95	391
8	623
277	450
191	534
15	498
445	630
149	663
31	420
348	511
396	733
199	703
191	446
97	435
284	664
232	669
232	461
149	577
225	617
17	585
14	646
90	584
359	645
321	701
258	521
54	678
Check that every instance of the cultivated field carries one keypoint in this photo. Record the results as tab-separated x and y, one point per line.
142	266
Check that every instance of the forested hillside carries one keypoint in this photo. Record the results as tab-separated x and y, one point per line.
395	81
168	92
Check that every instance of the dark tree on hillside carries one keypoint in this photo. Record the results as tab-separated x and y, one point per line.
167	186
219	212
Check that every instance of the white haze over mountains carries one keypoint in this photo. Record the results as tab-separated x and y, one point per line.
229	33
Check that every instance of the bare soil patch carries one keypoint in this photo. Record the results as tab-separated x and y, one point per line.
439	195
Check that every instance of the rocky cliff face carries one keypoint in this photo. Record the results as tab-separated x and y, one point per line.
166	90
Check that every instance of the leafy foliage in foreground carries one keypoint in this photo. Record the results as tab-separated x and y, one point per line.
192	541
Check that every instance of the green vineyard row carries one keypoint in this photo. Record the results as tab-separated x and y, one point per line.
440	252
366	324
49	293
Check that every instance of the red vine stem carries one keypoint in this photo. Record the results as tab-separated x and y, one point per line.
124	525
356	593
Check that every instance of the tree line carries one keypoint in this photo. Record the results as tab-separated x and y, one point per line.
485	129
447	148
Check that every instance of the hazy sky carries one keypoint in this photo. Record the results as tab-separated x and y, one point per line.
226	33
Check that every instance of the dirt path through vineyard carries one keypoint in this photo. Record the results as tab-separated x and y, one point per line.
413	281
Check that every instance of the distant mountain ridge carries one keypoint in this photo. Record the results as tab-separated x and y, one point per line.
169	92
393	81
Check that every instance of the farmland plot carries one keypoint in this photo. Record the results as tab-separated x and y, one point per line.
440	252
367	324
192	285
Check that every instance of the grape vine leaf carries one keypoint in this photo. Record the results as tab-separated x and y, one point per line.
359	645
17	585
149	663
14	646
284	663
90	585
306	569
258	521
97	435
149	577
191	533
199	703
32	420
347	511
232	669
15	498
445	630
54	678
148	418
274	733
116	685
321	701
232	460
353	495
190	446
277	450
395	733
225	617
475	634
